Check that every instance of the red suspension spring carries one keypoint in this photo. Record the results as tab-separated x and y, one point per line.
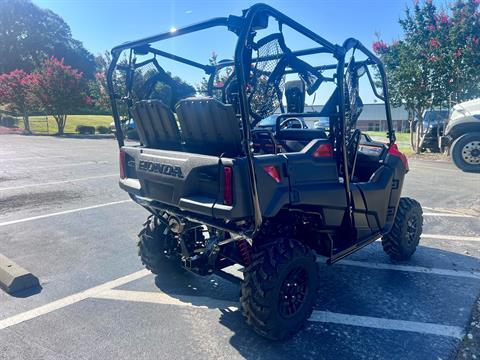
245	248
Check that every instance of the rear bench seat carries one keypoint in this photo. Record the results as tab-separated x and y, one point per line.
156	125
208	126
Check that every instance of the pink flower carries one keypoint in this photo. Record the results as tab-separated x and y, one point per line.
380	47
432	58
431	27
457	53
442	18
99	75
434	43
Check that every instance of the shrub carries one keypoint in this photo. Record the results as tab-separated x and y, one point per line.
85	130
8	121
103	129
132	134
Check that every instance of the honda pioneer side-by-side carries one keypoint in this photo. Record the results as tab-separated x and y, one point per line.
222	191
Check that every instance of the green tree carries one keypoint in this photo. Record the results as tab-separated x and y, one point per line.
29	35
59	90
220	77
436	61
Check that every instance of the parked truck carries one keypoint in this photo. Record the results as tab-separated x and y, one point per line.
462	135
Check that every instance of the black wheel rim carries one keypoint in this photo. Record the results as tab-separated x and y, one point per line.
293	292
411	230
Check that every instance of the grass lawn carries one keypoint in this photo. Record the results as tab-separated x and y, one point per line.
403	140
38	124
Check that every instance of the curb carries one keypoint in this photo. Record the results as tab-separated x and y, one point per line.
14	278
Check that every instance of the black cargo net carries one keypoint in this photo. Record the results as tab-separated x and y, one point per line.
150	81
353	102
266	90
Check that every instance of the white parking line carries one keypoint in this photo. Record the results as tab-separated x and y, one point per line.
69	300
388	324
58	182
409	268
434	168
200	302
447	215
99	162
107	291
33	157
317	316
62	213
451	237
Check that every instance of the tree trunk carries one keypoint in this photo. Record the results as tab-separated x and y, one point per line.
61	121
26	122
411	123
419	134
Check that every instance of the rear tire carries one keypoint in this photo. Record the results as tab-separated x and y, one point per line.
279	289
402	240
466	152
152	243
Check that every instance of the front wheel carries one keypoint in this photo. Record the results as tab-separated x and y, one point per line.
279	288
402	240
466	152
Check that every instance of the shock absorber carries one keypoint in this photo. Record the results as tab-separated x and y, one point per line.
245	251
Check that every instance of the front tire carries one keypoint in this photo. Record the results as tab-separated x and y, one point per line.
402	240
279	288
466	152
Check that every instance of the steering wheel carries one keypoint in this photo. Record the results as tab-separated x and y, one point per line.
286	124
352	150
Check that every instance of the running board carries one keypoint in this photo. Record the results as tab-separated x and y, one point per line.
344	253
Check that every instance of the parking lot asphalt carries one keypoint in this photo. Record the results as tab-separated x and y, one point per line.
63	217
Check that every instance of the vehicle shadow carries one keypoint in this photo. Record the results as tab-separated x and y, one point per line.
352	290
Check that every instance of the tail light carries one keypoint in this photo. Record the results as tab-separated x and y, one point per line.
324	150
393	150
227	185
123	173
273	172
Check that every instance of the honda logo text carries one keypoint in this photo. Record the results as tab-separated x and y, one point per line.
164	169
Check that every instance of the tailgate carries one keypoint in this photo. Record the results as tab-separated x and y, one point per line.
190	182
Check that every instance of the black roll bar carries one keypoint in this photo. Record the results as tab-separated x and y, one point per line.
243	27
352	43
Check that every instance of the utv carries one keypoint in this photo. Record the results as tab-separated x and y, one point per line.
222	191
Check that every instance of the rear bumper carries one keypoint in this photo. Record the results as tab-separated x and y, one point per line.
200	205
240	228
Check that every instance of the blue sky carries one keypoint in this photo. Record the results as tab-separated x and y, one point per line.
102	24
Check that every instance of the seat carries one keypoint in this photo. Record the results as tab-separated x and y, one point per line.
156	125
209	127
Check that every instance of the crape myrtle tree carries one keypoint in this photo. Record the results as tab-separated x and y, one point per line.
437	61
59	90
15	94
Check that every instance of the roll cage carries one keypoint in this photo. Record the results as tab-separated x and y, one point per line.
285	62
